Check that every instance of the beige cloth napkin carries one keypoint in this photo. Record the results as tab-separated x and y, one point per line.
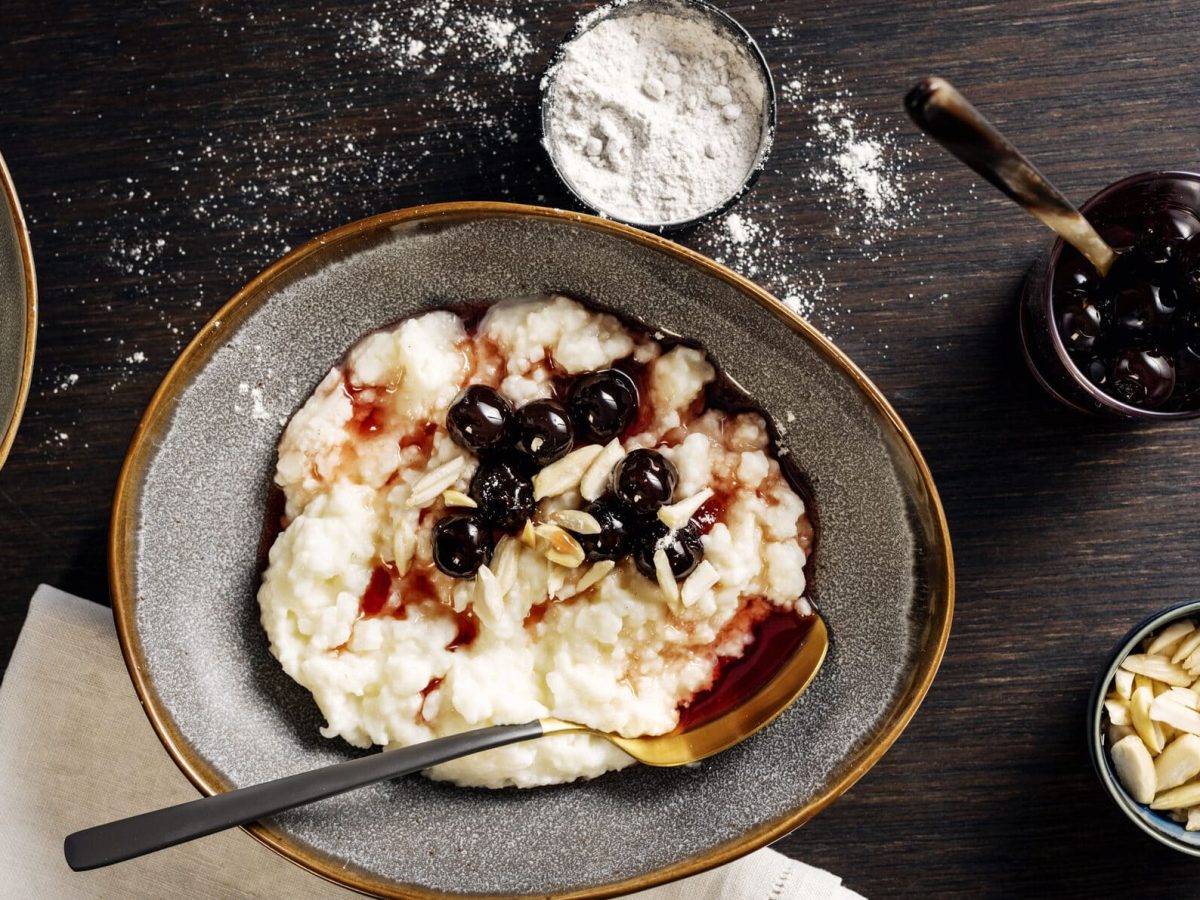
76	750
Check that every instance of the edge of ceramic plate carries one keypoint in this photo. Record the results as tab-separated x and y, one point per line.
9	433
121	536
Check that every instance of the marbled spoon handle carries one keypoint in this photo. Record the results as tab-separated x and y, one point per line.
945	115
145	833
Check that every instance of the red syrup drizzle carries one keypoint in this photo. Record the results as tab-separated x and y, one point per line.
776	638
415	586
366	416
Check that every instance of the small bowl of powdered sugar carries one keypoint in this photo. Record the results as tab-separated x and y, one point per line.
658	113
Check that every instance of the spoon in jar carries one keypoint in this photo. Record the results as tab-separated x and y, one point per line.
707	727
947	116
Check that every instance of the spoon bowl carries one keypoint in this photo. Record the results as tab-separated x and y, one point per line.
769	694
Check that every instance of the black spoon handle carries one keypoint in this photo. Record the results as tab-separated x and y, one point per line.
946	115
145	833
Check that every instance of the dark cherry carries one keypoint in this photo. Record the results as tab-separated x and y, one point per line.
1141	307
603	404
480	419
1096	371
544	431
1189	261
1143	377
1081	324
683	546
616	529
504	492
1162	236
645	480
461	544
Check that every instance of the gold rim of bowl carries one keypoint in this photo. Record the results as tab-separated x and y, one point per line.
157	416
9	432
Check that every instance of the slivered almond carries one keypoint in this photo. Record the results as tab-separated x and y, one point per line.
595	574
561	547
664	575
1148	730
1123	682
1178	798
1167	639
1178	763
458	499
1164	709
1186	647
529	534
595	479
563	475
431	485
504	563
679	514
488	593
1134	768
1185	696
1117	732
1192	663
576	520
1157	668
1193	819
555	578
699	583
1118	710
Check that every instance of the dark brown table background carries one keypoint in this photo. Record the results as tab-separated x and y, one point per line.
1066	530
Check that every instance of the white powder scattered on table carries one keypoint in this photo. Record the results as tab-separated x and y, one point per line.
655	118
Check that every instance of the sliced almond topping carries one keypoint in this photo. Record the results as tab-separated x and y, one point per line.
1123	682
1139	711
457	499
1178	763
595	479
1169	638
488	593
1157	668
664	575
1186	647
431	485
1192	663
1118	710
699	583
529	534
1178	798
679	514
576	520
1134	767
561	548
595	574
563	475
504	563
1164	709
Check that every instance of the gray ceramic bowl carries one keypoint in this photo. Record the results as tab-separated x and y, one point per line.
18	312
190	506
1155	824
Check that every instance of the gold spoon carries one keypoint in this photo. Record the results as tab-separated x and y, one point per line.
952	121
138	835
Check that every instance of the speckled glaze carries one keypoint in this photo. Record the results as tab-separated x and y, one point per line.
189	509
18	312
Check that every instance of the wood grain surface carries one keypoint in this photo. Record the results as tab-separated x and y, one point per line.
231	130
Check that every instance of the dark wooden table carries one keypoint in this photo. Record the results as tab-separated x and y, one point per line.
167	151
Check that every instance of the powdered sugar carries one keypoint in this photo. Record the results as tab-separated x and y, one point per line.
655	118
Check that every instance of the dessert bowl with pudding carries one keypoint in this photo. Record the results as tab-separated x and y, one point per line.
409	585
537	510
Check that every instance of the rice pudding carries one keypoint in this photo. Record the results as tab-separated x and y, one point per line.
542	511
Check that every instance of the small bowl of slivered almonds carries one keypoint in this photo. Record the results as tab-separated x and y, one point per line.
1144	726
